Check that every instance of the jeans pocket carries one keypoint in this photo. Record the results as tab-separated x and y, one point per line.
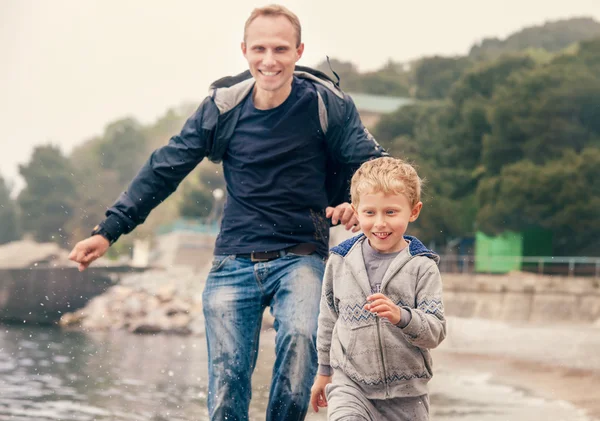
218	262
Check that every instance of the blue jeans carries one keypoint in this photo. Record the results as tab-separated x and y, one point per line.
237	292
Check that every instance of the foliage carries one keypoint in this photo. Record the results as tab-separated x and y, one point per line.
198	200
106	164
515	146
48	200
561	195
118	151
435	75
9	228
552	37
542	112
390	80
482	80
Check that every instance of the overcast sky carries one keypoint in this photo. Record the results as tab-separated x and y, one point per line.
69	67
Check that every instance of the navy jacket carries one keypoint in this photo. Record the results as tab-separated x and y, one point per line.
208	131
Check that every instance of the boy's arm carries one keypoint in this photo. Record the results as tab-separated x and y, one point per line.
427	326
327	317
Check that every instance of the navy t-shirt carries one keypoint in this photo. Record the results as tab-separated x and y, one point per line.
275	173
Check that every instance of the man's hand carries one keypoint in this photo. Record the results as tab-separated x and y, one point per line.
317	392
345	214
88	250
382	306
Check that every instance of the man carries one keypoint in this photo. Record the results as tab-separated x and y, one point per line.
289	141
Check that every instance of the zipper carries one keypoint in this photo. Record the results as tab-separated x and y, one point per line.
387	394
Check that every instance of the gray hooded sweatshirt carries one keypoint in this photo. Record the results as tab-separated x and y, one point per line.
382	359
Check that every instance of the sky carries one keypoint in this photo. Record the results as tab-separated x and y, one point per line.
70	67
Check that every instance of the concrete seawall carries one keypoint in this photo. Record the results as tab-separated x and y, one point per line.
522	297
43	294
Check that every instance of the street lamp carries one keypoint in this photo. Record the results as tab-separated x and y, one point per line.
217	207
218	194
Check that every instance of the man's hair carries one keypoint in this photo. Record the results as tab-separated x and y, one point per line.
386	175
276	10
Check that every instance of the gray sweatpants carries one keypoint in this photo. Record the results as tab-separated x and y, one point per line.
347	403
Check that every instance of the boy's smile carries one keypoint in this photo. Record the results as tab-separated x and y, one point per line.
382	235
384	219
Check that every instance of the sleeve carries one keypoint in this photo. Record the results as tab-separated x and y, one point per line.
328	316
427	327
325	370
348	139
405	318
349	144
162	173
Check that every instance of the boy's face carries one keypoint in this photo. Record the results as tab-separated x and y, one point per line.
384	219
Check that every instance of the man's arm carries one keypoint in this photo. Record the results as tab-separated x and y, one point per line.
349	141
162	173
157	179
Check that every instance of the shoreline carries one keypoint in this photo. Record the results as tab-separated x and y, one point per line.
556	383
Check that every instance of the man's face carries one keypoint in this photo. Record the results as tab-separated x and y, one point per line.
270	48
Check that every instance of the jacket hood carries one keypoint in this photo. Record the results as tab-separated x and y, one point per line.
415	247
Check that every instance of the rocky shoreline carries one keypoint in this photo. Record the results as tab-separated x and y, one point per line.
167	301
170	301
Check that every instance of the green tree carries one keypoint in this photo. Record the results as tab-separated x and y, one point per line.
197	203
47	201
197	199
543	112
552	36
516	113
123	149
434	76
106	164
561	195
390	80
9	228
401	122
482	80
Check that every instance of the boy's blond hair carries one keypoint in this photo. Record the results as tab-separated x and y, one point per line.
276	10
389	176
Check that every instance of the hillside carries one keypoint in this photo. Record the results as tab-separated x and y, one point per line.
551	36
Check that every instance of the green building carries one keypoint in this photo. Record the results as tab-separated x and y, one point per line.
503	253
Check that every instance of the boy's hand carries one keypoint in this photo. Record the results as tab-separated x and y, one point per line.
317	392
382	306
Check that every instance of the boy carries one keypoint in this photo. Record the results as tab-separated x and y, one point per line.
381	305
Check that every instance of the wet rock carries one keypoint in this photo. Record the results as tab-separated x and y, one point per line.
156	301
132	306
145	328
166	292
177	306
